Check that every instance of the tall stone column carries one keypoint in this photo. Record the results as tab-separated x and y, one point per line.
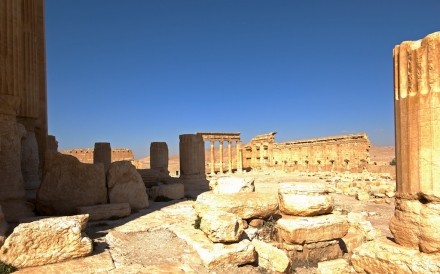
221	157
212	157
239	157
229	157
417	125
102	154
159	157
192	155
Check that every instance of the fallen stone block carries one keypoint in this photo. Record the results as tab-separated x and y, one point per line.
300	230
69	184
385	256
170	191
222	227
47	241
244	205
230	185
304	199
270	257
309	255
105	212
125	185
339	266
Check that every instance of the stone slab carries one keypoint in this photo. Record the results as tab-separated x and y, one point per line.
105	211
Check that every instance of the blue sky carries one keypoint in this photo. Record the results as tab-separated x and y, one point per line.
133	72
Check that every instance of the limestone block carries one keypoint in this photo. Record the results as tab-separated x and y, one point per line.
99	263
229	185
69	184
245	205
125	185
216	255
385	256
300	230
351	241
414	225
171	191
106	211
360	226
363	196
310	255
270	257
3	227
47	241
304	199
222	227
150	177
339	266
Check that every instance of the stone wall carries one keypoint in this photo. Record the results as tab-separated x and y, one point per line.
85	155
335	153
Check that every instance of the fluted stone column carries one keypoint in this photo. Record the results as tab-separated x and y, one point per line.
102	154
239	157
221	157
212	158
159	157
229	157
417	124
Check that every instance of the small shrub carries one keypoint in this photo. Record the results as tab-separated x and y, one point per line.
6	268
393	162
197	222
161	198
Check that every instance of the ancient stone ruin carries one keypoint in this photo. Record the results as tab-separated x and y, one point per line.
86	155
287	205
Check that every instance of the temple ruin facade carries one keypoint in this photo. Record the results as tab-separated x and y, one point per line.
334	153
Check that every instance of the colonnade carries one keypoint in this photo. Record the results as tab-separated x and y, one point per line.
221	138
238	156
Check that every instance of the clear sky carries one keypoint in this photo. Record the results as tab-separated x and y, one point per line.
138	71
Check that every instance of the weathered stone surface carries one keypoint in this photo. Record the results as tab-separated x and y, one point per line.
339	266
171	191
99	263
3	227
11	178
102	154
47	241
245	205
417	115
30	165
69	184
229	185
363	196
156	269
309	255
159	157
106	211
222	227
300	230
359	225
385	256
16	209
414	225
270	257
218	254
125	185
304	199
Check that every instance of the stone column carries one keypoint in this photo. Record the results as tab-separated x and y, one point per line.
221	156
159	157
212	157
239	157
417	125
229	157
52	143
102	154
192	155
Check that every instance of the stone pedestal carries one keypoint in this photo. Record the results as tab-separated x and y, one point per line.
417	118
102	154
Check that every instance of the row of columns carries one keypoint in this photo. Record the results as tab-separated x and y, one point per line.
239	156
